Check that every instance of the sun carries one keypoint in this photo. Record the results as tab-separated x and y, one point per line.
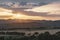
10	14
17	16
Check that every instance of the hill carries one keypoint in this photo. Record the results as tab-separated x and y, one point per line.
32	24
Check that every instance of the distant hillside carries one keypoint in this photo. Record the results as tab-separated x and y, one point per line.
33	24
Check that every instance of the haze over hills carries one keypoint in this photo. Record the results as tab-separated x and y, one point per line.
32	24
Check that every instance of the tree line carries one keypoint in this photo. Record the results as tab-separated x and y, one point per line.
34	36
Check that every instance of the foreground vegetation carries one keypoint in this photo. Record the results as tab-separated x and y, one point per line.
29	36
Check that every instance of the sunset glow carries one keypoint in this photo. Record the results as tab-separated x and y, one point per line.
5	12
49	11
8	14
53	8
46	12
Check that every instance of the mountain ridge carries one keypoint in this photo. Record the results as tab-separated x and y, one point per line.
37	24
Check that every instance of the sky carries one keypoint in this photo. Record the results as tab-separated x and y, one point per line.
29	0
49	11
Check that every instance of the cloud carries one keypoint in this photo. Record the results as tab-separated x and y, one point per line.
17	3
52	9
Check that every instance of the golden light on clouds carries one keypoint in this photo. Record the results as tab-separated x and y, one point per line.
4	12
52	10
9	14
25	17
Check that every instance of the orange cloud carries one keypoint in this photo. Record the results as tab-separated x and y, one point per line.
9	14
